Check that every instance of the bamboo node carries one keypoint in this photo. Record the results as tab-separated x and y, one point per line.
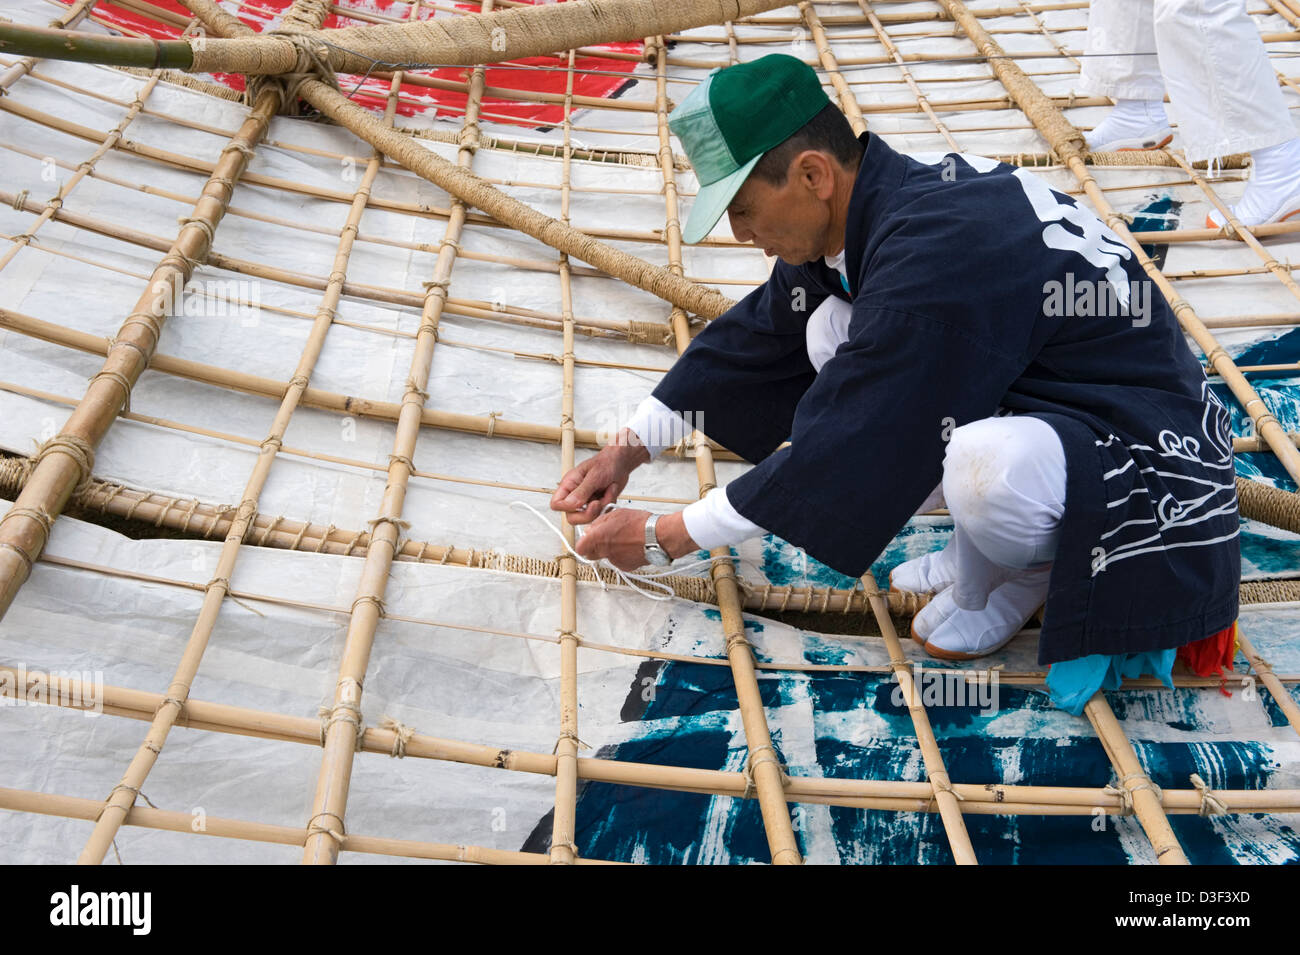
413	388
401	736
1211	805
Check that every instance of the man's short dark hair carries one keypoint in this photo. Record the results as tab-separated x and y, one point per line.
828	131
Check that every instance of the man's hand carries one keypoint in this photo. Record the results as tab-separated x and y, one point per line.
597	481
620	537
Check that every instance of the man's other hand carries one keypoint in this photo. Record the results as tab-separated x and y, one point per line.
618	536
597	481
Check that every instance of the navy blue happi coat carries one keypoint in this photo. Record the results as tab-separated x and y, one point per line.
967	279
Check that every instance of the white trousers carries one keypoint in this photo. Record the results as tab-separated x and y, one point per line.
1223	93
1004	483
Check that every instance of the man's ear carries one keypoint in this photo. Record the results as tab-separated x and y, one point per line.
814	169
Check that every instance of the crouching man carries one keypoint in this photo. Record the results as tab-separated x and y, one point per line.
938	328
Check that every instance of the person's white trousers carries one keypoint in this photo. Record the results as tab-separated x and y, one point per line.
1004	484
1223	92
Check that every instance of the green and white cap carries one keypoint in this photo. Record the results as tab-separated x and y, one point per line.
733	117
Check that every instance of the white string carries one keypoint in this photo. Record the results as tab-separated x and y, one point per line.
627	577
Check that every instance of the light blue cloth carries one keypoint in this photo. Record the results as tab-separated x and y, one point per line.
1072	683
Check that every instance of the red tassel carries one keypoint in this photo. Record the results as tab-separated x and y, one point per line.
1211	655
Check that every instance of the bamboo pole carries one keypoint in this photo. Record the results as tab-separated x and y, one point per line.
74	14
506	35
1285	702
848	104
954	825
344	727
762	764
896	795
1134	781
59	44
1233	227
564	850
203	522
72	807
487	425
887	42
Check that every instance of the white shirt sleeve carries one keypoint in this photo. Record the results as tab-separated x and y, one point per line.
657	425
713	522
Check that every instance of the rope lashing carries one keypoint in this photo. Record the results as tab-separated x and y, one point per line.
1211	805
202	224
315	828
397	522
401	736
79	449
37	514
121	381
342	712
1125	791
752	761
312	64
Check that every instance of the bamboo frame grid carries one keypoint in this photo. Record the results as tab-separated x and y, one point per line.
775	787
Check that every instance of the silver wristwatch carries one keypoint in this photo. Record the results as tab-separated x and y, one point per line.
654	553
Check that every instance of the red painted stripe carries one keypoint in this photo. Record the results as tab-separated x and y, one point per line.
373	93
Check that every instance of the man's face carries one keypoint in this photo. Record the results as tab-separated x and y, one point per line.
790	220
